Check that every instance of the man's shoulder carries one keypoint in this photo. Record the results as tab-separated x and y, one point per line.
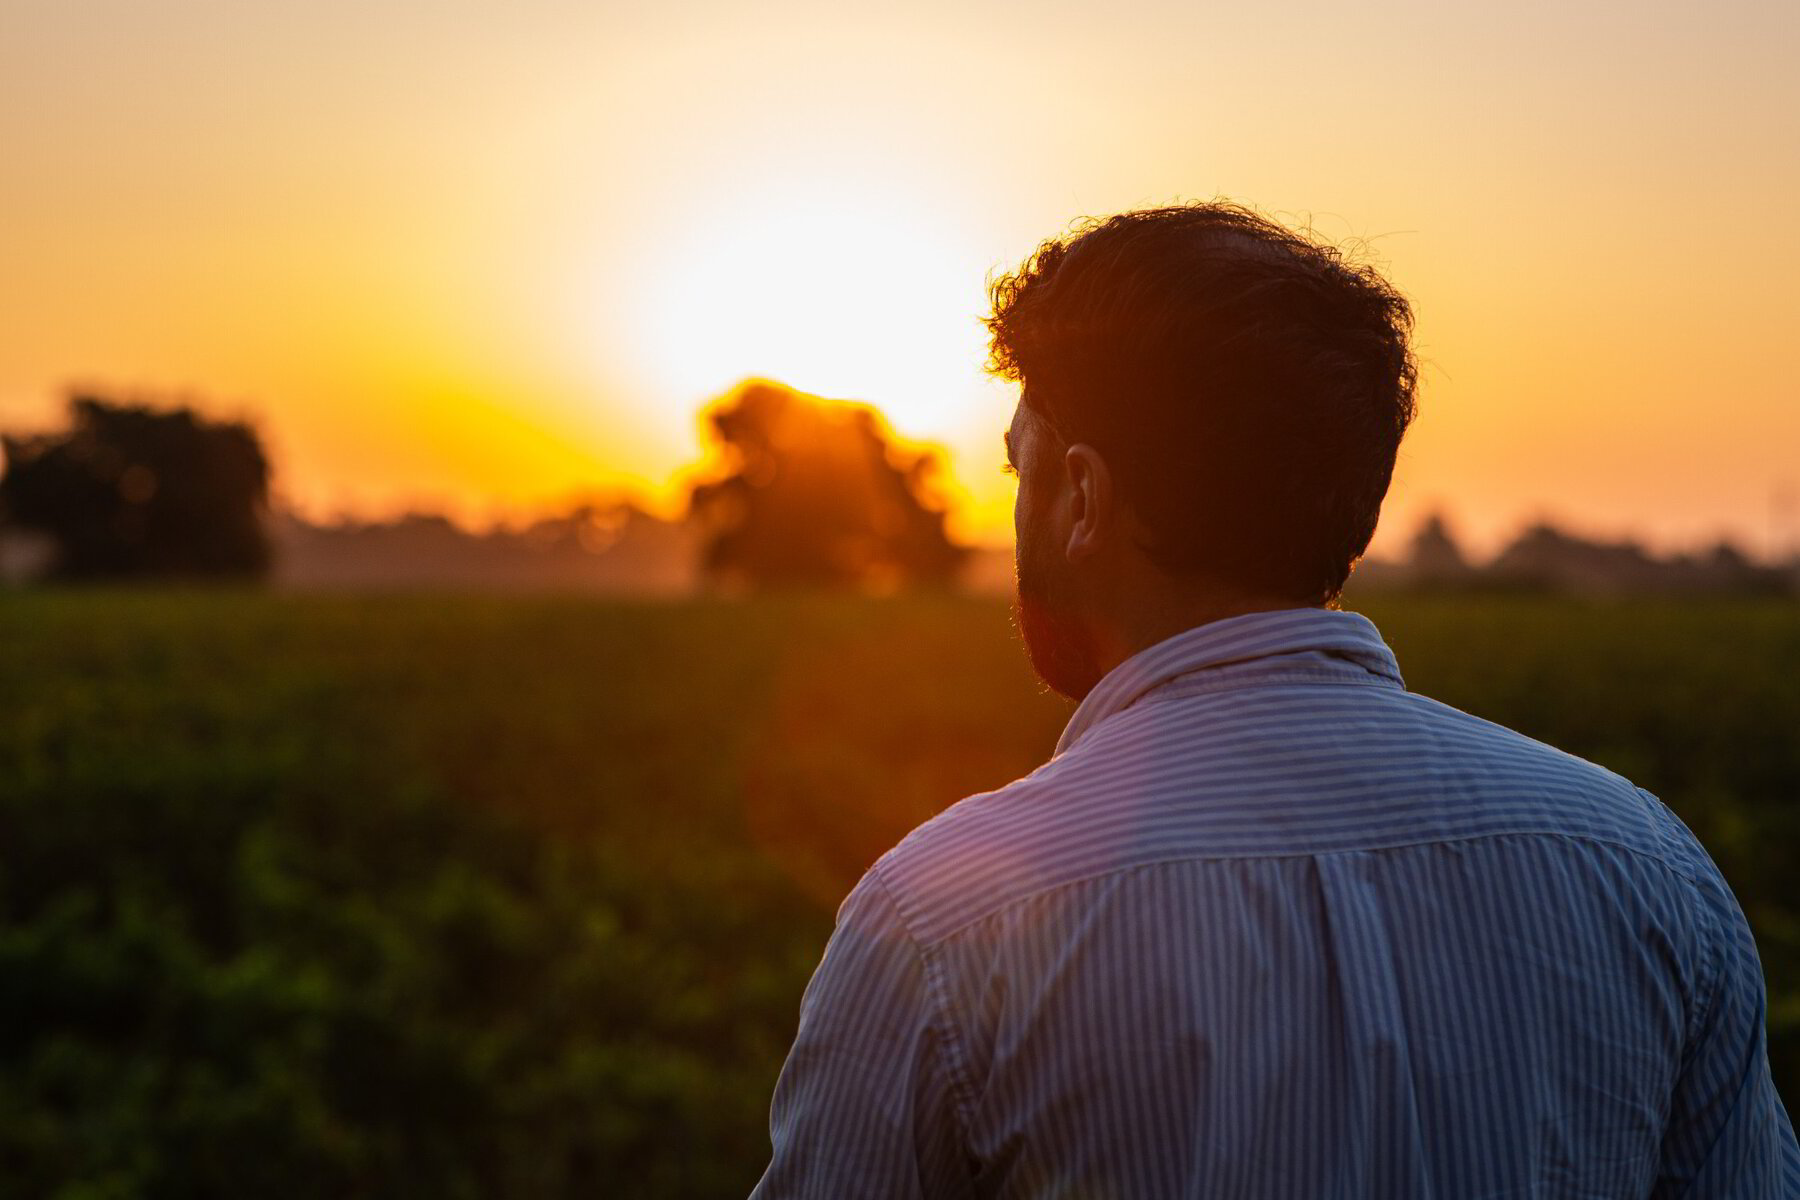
956	866
1225	776
1606	804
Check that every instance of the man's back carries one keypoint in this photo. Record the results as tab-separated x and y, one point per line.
1270	925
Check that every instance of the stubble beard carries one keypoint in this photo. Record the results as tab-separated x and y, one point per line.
1044	611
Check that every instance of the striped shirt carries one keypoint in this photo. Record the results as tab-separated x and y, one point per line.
1268	924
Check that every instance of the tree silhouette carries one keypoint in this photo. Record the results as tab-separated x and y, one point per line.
131	491
815	493
1434	559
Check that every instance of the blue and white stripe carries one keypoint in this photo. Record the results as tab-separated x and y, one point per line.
1268	924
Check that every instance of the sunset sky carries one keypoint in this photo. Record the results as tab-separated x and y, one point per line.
489	256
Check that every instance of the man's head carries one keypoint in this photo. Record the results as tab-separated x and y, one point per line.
1210	409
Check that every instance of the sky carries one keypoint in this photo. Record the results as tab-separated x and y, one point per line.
489	257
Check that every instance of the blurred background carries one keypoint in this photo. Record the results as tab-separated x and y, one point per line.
501	519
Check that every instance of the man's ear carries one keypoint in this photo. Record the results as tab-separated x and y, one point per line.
1093	515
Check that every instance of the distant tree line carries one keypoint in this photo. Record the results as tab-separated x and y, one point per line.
800	492
1543	558
595	546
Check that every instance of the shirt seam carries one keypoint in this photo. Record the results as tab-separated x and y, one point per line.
927	946
1716	935
1711	932
939	1010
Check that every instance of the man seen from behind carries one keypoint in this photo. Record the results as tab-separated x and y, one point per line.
1267	923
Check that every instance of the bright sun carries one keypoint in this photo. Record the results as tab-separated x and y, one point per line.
852	297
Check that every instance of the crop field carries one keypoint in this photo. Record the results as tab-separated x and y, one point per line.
460	896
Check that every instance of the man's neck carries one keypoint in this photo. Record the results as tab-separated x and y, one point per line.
1153	618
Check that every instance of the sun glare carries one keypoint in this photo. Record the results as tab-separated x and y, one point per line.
854	297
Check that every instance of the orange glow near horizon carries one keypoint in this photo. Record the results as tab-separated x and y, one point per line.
491	262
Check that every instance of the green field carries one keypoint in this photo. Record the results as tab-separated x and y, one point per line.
394	896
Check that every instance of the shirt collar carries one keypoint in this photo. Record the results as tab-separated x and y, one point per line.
1336	632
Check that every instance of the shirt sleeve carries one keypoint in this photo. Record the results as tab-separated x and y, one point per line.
864	1105
1728	1133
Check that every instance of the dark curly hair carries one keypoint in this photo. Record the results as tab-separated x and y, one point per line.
1249	385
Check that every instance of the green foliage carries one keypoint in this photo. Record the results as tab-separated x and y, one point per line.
337	897
476	897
